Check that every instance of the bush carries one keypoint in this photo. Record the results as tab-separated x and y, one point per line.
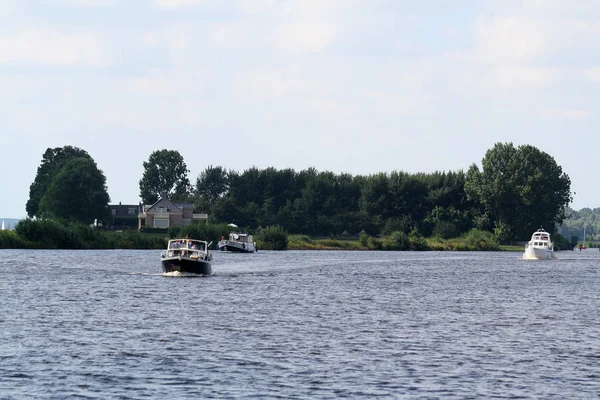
401	239
131	239
300	242
11	240
417	242
561	242
445	229
481	240
273	238
364	240
50	234
401	224
374	244
62	234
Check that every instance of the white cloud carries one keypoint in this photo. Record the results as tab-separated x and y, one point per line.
90	3
256	6
176	3
522	77
164	84
508	40
592	74
54	48
273	84
177	39
7	7
561	7
158	117
564	114
14	86
308	26
232	35
305	36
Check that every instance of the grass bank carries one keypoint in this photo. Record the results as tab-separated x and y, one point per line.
472	241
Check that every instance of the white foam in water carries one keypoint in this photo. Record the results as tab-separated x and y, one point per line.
179	274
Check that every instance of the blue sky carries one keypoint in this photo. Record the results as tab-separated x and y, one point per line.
358	86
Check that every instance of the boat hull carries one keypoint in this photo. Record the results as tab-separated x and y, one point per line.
182	264
533	253
235	247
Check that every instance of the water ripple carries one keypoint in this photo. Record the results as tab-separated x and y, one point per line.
299	325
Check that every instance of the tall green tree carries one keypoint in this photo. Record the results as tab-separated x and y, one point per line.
77	192
521	189
52	162
164	172
211	184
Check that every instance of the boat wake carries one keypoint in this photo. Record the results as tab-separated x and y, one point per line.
177	274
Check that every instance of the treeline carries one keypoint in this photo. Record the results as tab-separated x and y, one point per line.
517	190
328	204
584	223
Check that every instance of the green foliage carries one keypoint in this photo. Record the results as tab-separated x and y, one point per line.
165	172
63	234
418	242
401	223
481	240
374	244
50	234
131	239
211	184
11	240
400	240
520	189
300	242
200	230
327	204
52	162
561	242
582	223
364	240
272	238
78	191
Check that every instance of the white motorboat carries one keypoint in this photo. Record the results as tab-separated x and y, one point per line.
540	247
237	243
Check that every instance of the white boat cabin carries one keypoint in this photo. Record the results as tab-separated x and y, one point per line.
540	238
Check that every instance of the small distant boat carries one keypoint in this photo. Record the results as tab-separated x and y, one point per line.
187	255
237	243
540	247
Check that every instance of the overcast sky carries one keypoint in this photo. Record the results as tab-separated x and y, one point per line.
358	86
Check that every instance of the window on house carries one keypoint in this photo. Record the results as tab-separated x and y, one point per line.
131	211
161	223
114	212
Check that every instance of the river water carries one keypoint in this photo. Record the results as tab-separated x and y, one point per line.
300	324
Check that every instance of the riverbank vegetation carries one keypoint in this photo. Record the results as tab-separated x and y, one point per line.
399	241
514	192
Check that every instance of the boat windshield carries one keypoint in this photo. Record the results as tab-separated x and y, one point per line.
187	244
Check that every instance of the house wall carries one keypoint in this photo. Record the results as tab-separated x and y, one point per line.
175	220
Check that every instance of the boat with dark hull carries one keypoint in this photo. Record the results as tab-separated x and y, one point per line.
187	256
237	243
